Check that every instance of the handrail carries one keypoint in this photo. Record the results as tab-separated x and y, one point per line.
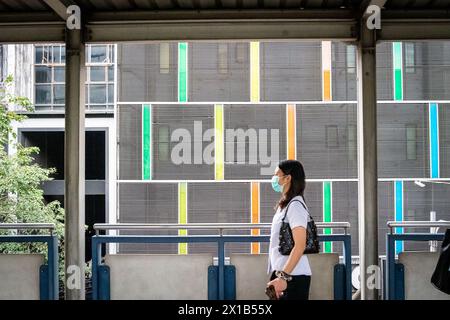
28	226
204	226
417	224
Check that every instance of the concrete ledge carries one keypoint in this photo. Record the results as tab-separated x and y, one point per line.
159	277
19	276
251	275
419	266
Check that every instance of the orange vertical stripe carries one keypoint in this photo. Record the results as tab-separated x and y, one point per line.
255	214
291	154
327	85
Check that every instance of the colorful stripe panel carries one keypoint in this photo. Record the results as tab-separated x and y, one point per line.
219	142
146	142
327	213
254	71
291	130
326	70
182	72
397	53
182	214
255	246
434	140
398	194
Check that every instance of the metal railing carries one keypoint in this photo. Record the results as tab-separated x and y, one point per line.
220	240
206	226
392	287
28	226
417	224
48	273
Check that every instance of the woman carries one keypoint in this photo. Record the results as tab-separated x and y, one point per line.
291	275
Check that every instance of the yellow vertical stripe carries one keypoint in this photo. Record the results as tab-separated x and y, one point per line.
255	214
327	85
219	142
291	130
182	214
254	71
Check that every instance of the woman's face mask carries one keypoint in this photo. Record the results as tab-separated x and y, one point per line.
275	184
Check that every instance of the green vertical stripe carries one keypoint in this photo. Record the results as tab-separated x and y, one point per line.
327	214
182	71
398	69
182	214
146	142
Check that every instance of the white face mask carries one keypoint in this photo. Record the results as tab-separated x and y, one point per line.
276	184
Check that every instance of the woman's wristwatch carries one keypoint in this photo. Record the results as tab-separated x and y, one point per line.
283	275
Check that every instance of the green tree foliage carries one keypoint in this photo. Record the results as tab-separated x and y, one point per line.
21	195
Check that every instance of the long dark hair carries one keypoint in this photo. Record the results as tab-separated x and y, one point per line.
298	181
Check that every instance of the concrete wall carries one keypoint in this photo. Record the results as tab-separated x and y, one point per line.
419	266
251	276
19	276
19	64
159	277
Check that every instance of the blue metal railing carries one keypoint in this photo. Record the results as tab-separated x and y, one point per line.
395	286
220	239
48	273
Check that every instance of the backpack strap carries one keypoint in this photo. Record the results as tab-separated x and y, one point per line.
287	207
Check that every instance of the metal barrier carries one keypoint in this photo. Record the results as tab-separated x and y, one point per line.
395	272
48	274
101	291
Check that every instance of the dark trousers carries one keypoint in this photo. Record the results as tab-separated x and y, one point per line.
297	288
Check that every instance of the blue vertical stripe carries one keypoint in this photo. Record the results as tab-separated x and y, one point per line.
434	141
398	213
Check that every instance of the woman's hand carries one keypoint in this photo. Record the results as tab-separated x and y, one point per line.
280	285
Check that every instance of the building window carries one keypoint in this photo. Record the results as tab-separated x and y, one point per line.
352	142
222	58
351	59
100	77
241	52
410	57
332	136
164	58
50	77
411	142
163	143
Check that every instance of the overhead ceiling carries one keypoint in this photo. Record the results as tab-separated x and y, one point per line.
147	20
130	5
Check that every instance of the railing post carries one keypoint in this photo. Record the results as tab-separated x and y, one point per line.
95	263
348	266
221	260
390	265
53	267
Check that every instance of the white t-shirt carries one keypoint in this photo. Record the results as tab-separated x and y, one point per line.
297	216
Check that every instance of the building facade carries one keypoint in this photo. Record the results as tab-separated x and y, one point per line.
192	131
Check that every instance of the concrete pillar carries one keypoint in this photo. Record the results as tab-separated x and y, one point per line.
367	162
74	158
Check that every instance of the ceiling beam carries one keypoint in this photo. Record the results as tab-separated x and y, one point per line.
223	14
412	29
224	25
221	30
58	7
32	33
367	3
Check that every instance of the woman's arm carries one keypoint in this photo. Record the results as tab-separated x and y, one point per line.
299	234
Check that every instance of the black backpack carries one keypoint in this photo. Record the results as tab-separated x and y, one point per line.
287	240
441	275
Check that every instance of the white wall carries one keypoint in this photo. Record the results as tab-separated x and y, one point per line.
91	124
